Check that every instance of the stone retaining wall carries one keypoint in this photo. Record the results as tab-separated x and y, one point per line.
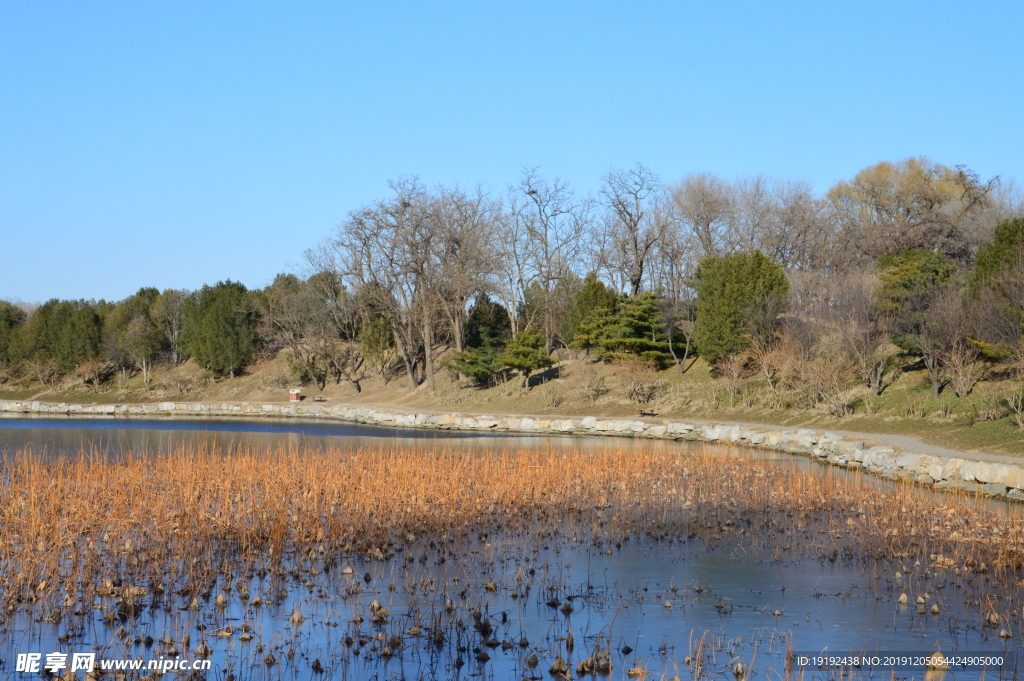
982	477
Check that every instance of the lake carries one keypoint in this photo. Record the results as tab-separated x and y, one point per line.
495	607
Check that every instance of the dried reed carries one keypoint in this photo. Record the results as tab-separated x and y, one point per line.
75	528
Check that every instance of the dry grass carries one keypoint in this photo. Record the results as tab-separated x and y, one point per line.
182	522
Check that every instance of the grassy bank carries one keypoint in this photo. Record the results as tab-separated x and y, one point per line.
578	386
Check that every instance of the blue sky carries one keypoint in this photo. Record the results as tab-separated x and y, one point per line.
175	144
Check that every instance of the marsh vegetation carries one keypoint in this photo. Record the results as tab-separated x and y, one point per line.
434	561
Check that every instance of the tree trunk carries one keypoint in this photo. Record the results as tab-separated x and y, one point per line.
876	376
428	339
932	364
410	367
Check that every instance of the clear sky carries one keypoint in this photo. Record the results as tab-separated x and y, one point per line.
172	144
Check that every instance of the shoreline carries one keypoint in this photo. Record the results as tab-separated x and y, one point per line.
985	474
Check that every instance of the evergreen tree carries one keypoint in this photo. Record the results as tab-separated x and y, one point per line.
481	363
738	295
487	319
219	327
630	330
11	319
999	265
525	353
593	297
908	278
67	331
918	289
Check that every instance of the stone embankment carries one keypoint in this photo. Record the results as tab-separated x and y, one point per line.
990	478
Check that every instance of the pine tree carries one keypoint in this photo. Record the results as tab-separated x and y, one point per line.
629	330
525	353
480	363
592	298
487	318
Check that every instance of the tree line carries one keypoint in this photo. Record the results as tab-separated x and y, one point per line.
906	264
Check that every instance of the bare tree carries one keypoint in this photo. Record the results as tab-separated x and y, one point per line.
512	276
346	360
703	207
141	343
734	370
43	367
393	247
959	355
669	273
862	328
800	235
466	229
828	377
930	325
632	228
915	204
753	217
167	314
294	318
552	220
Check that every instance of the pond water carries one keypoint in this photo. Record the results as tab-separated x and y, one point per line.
503	610
114	435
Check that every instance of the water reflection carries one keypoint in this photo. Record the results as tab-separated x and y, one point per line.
152	435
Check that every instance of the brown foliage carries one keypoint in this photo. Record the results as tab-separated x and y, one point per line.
176	522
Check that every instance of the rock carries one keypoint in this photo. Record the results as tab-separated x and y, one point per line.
711	433
951	470
908	461
1014	477
806	438
844	447
994	488
993	472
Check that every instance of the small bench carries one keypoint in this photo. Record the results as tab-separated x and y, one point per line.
319	398
647	412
